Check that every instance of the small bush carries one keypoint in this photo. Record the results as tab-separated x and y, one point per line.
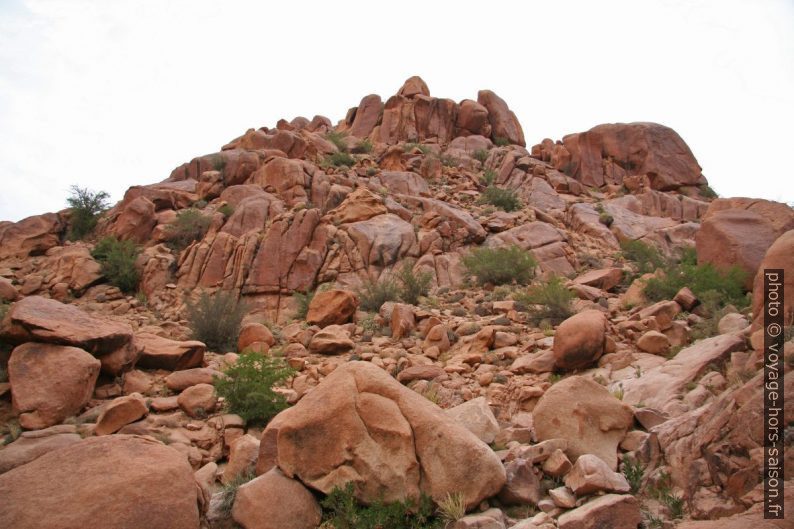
117	259
551	299
218	162
645	256
229	491
413	285
343	511
199	204
247	386
488	177
190	225
411	145
707	192
606	219
499	266
375	292
453	507
216	320
4	306
504	199
226	210
481	155
633	470
501	142
701	279
663	493
303	300
364	146
86	207
338	139
339	159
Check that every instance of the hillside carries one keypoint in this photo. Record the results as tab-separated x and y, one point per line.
562	335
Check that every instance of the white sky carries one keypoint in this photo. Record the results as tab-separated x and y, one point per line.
112	93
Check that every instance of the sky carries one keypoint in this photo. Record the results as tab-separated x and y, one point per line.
107	94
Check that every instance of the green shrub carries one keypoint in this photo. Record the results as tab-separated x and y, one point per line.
375	292
606	219
190	225
338	139
552	301
707	192
218	162
481	155
364	145
216	319
339	159
488	177
303	300
500	266
501	142
341	510
634	471
85	206
662	492
229	491
117	259
4	306
646	257
504	199
701	279
226	210
199	204
411	145
247	386
448	160
413	285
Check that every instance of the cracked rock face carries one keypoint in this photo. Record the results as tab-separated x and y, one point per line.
362	426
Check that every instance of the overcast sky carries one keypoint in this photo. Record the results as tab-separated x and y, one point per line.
112	93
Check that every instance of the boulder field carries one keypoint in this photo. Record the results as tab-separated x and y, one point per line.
609	387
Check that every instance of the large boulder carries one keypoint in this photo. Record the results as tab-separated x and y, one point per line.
360	425
26	448
476	416
615	511
580	340
31	236
504	123
779	256
135	221
332	307
50	382
585	414
367	116
590	474
119	413
735	237
116	482
273	501
39	319
609	152
163	353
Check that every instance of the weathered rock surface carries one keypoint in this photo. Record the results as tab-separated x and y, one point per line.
26	449
615	511
332	307
50	382
580	340
476	416
164	353
151	485
119	413
273	501
400	443
585	414
591	474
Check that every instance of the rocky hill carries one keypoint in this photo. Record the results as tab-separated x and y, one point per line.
467	332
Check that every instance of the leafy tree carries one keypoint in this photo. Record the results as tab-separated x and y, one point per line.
86	206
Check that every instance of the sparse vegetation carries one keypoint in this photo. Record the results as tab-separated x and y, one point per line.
500	141
411	145
707	192
488	177
340	159
634	471
85	206
413	285
303	300
190	225
448	160
248	384
216	319
499	266
229	491
727	285
226	210
662	492
549	301
364	146
11	431
481	155
4	306
338	139
504	199
343	511
218	162
375	292
453	507
606	219
117	259
645	256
